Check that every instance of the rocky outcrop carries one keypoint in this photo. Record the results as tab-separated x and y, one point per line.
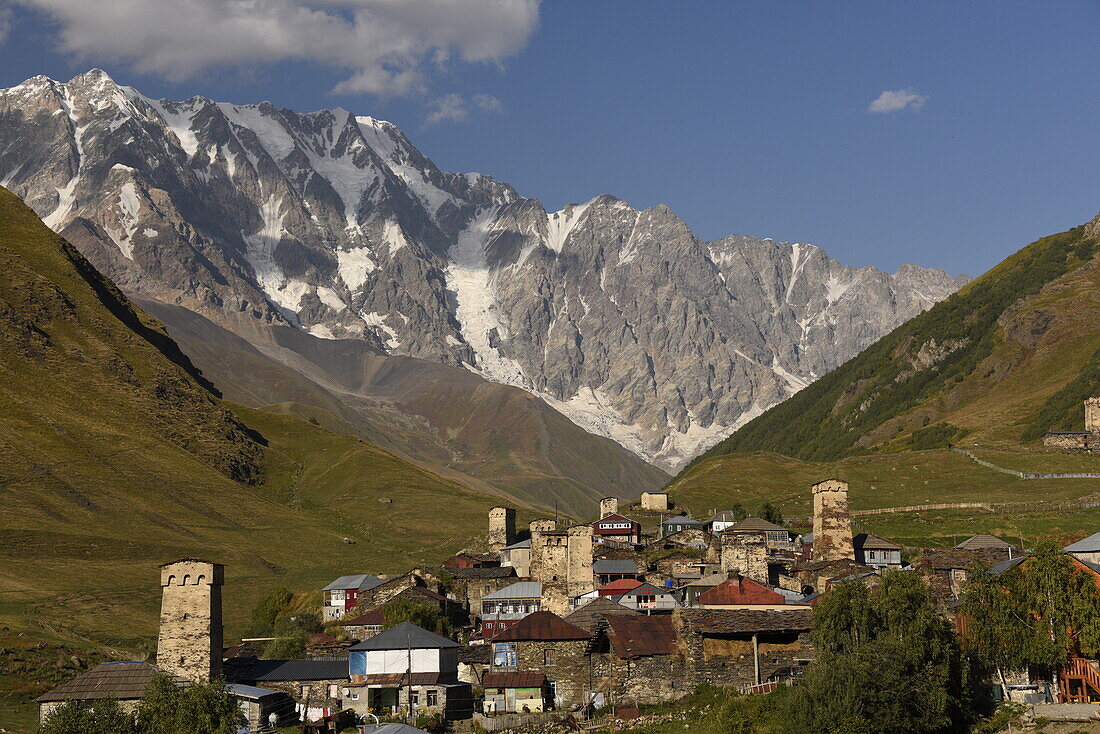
333	223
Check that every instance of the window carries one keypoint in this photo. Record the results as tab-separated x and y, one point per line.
548	656
333	690
354	696
646	600
433	698
504	655
414	698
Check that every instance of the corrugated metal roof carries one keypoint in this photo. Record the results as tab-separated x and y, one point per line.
394	680
1090	544
293	670
982	540
371	618
680	520
240	690
519	545
522	679
614	566
867	541
542	626
756	524
405	635
641	636
740	591
124	681
359	581
519	590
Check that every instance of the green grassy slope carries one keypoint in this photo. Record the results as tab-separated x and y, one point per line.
116	457
1008	356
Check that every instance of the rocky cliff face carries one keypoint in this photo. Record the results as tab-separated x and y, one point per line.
336	224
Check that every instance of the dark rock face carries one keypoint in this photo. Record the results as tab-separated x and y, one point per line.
336	224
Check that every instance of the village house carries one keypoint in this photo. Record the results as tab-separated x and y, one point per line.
364	626
315	684
342	595
678	524
545	644
1086	550
124	682
469	585
739	592
473	661
948	569
1086	440
739	647
517	556
983	540
502	609
774	535
809	577
612	569
688	592
471	560
407	669
644	598
876	552
655	501
617	527
259	705
720	521
593	615
643	663
672	568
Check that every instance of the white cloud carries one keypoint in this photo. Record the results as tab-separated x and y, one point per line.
384	47
455	108
894	100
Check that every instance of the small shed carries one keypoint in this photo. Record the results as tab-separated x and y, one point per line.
124	682
258	705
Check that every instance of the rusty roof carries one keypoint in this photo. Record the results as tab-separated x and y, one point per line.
371	618
124	681
542	626
621	586
735	621
740	590
641	636
589	616
394	680
950	558
522	679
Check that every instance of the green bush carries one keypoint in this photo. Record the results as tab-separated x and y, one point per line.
77	717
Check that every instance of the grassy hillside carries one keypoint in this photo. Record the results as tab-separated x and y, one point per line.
116	456
1008	356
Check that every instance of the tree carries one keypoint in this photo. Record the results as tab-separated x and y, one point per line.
268	609
77	717
419	613
887	663
771	513
198	708
1033	615
738	511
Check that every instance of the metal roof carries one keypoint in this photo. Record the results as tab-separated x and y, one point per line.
518	590
372	618
1090	544
240	690
403	636
522	679
124	681
484	572
867	541
756	524
542	626
294	670
589	616
740	591
360	581
641	636
614	566
680	520
520	544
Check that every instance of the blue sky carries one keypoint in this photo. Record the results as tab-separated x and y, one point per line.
743	118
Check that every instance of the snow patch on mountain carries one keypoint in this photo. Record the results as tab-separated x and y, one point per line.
128	208
561	223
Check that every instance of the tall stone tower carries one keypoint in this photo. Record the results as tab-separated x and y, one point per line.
608	506
502	528
747	554
579	574
190	641
1092	415
832	523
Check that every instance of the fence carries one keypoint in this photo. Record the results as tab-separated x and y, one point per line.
1020	474
920	508
515	721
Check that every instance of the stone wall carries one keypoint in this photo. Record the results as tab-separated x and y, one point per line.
190	638
727	660
1092	415
567	666
1067	441
648	680
832	523
562	562
655	501
608	506
746	553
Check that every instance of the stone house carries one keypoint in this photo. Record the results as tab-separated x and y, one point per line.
469	585
561	560
736	647
670	566
473	661
544	642
688	592
813	576
1087	549
774	535
613	569
1086	440
983	540
408	670
647	598
517	556
678	524
257	705
364	626
342	595
876	552
315	684
655	501
948	570
643	662
593	615
471	560
124	682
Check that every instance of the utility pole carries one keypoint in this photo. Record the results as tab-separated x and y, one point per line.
409	673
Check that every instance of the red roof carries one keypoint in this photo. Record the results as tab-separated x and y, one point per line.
542	626
523	679
616	588
641	636
372	618
740	591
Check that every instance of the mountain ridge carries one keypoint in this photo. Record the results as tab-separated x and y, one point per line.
622	319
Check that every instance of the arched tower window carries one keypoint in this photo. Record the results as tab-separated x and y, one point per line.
186	579
201	580
171	580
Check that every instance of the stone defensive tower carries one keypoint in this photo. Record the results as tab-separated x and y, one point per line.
561	560
1092	415
747	554
502	528
190	640
832	523
608	506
